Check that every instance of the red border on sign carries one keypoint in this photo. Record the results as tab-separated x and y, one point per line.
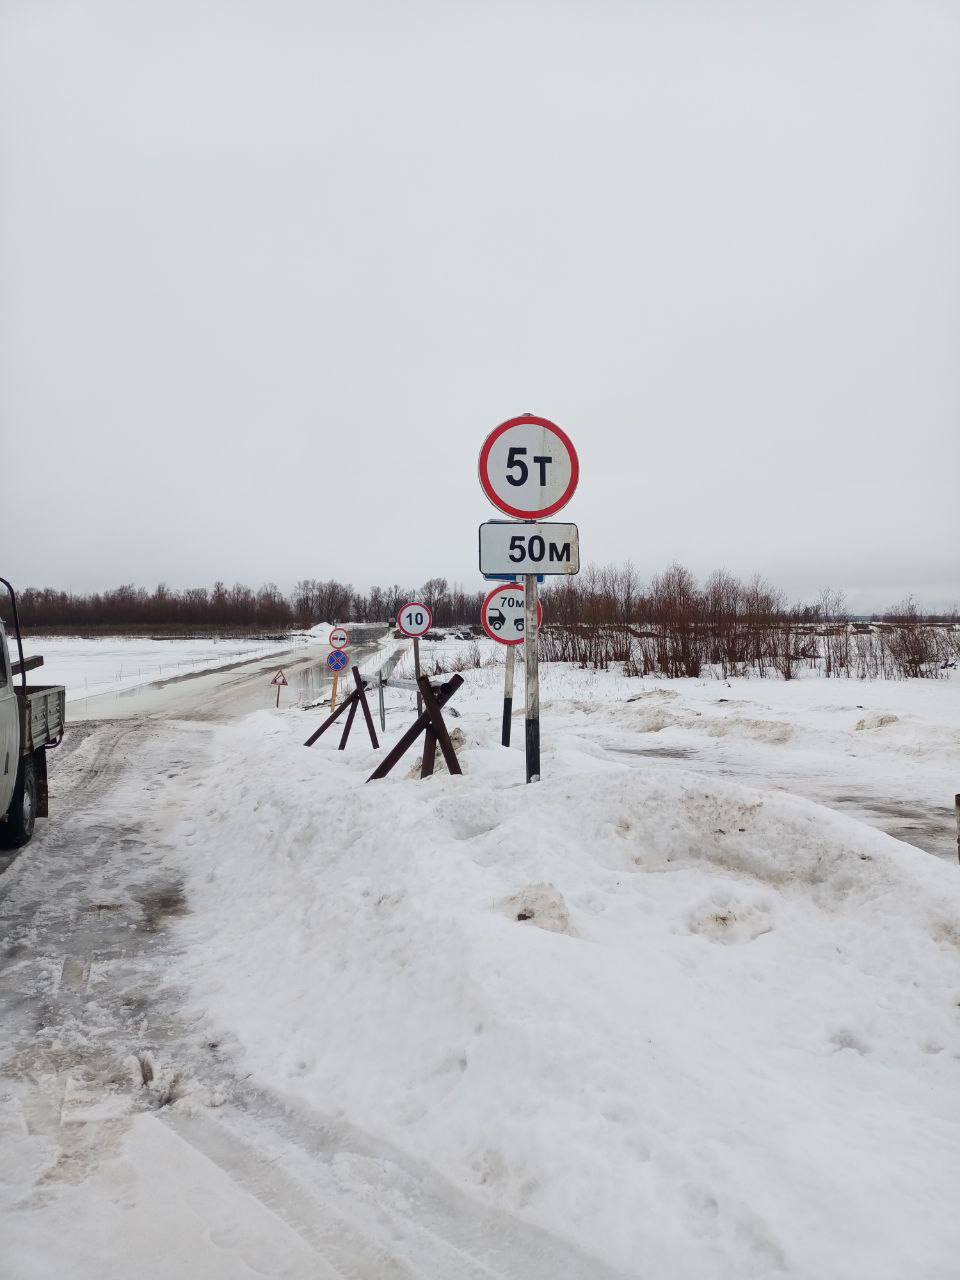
505	586
414	604
338	646
487	487
330	655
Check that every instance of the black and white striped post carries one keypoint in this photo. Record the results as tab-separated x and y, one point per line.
507	697
532	677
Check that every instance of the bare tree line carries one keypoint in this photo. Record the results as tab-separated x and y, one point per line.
239	607
672	625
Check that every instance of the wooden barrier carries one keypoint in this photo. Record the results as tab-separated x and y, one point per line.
357	698
430	722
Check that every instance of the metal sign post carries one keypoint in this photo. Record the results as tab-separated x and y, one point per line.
532	674
507	698
415	619
529	470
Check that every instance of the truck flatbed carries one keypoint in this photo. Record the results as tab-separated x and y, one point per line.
43	715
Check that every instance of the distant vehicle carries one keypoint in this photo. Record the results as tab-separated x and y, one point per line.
32	719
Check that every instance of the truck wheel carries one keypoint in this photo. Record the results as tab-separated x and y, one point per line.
22	814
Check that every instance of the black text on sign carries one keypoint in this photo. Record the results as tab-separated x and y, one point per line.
414	619
550	548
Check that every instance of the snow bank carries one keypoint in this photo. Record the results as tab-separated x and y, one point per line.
701	1030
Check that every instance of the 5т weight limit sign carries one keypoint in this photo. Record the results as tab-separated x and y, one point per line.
508	547
528	467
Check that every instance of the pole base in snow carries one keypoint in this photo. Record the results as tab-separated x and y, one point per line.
533	750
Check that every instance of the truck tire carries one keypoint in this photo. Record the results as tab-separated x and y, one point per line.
22	814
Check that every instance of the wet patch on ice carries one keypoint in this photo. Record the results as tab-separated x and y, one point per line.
160	904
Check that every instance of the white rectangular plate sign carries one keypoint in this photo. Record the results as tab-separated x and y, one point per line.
508	546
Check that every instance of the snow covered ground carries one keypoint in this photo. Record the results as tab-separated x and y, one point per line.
696	1028
95	666
676	1007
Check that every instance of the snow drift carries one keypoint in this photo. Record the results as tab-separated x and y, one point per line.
731	1049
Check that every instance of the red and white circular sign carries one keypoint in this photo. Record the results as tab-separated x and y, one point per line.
414	619
529	467
502	613
338	638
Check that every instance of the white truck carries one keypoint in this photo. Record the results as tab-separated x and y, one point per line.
32	720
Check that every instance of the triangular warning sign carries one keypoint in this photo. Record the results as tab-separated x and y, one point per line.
279	678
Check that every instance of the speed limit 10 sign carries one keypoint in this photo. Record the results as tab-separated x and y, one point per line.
528	467
502	614
338	638
414	619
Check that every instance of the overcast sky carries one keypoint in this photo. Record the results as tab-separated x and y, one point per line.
271	271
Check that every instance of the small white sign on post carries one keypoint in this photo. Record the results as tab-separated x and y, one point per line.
339	638
509	547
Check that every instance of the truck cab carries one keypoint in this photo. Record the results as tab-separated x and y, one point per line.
32	721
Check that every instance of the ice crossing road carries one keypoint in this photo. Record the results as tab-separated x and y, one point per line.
224	693
131	1143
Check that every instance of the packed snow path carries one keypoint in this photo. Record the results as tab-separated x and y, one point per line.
130	1144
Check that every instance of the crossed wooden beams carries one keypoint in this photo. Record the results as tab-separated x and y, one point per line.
429	723
358	696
